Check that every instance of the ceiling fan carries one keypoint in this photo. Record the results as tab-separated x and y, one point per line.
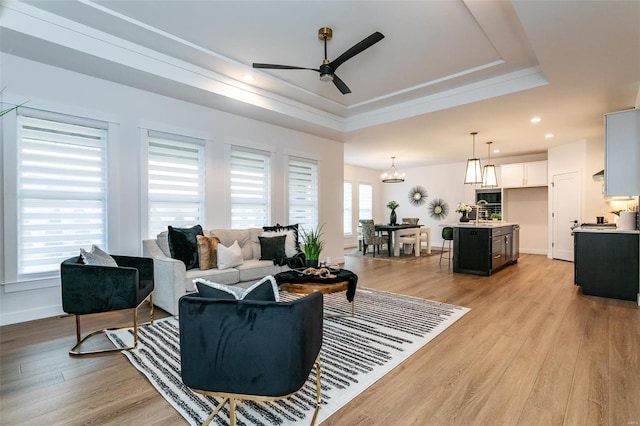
327	69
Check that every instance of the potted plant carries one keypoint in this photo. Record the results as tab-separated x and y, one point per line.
495	216
312	245
393	219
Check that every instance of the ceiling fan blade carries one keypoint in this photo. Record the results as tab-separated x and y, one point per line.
340	85
282	67
357	48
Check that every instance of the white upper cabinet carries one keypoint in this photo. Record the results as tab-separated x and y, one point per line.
521	175
622	153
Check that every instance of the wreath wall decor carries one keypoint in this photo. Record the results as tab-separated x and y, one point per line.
438	209
417	196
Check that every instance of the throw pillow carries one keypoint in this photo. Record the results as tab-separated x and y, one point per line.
280	228
289	243
97	257
183	245
228	257
272	247
266	289
207	252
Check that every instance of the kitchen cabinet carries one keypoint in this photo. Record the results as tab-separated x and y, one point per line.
622	153
483	250
522	175
606	263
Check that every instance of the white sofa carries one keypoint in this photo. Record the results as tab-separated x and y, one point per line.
173	281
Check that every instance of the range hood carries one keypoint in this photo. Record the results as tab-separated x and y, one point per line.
599	176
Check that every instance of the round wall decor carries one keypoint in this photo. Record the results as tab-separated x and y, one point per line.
417	196
438	209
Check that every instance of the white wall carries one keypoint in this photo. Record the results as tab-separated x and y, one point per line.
128	109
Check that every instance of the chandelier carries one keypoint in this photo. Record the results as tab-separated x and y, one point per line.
392	175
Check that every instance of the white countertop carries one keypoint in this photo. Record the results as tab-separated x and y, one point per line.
607	230
484	224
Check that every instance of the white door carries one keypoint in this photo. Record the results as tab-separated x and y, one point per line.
566	213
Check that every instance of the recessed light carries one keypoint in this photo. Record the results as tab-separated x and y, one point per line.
548	135
536	119
495	151
249	77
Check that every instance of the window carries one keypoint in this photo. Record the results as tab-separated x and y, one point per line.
175	181
347	216
62	189
365	201
250	188
303	193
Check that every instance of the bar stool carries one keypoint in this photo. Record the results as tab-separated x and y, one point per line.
447	235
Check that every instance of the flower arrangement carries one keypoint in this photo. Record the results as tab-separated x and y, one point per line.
462	207
392	205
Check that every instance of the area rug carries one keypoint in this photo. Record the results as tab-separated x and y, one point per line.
356	352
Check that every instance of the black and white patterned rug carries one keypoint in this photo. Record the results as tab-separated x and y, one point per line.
356	352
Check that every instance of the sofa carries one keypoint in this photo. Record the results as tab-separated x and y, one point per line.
173	280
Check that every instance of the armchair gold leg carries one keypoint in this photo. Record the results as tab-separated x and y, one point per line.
214	412
318	392
79	341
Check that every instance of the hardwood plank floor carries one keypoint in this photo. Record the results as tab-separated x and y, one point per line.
532	351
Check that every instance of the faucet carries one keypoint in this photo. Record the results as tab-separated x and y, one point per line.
479	209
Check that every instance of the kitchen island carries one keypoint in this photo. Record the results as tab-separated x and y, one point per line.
483	248
606	262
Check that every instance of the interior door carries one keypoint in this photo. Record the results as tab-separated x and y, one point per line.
566	213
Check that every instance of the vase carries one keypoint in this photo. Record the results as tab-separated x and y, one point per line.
464	217
393	219
312	263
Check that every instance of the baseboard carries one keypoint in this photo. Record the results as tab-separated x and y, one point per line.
30	315
533	251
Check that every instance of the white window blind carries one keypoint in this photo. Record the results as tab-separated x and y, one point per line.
365	201
250	188
62	189
303	193
176	181
348	210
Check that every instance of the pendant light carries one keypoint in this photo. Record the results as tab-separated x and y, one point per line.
489	178
392	175
474	171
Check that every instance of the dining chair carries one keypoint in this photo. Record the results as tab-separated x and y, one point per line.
447	235
410	221
370	237
408	237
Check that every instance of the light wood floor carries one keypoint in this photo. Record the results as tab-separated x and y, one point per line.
532	351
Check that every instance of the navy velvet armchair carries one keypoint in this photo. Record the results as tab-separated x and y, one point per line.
90	289
250	350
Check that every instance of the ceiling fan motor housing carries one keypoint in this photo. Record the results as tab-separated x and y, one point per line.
326	73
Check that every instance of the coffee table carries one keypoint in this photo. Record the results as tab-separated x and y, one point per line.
294	281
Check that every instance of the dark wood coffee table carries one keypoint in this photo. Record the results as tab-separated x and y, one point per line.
311	283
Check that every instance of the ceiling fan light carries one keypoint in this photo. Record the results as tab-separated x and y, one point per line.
326	77
392	175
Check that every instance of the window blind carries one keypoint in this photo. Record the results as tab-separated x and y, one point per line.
347	216
365	201
175	182
303	193
62	189
250	185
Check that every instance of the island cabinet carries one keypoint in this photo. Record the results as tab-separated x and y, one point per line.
523	175
606	263
483	250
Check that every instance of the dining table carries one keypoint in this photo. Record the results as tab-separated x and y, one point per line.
392	229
